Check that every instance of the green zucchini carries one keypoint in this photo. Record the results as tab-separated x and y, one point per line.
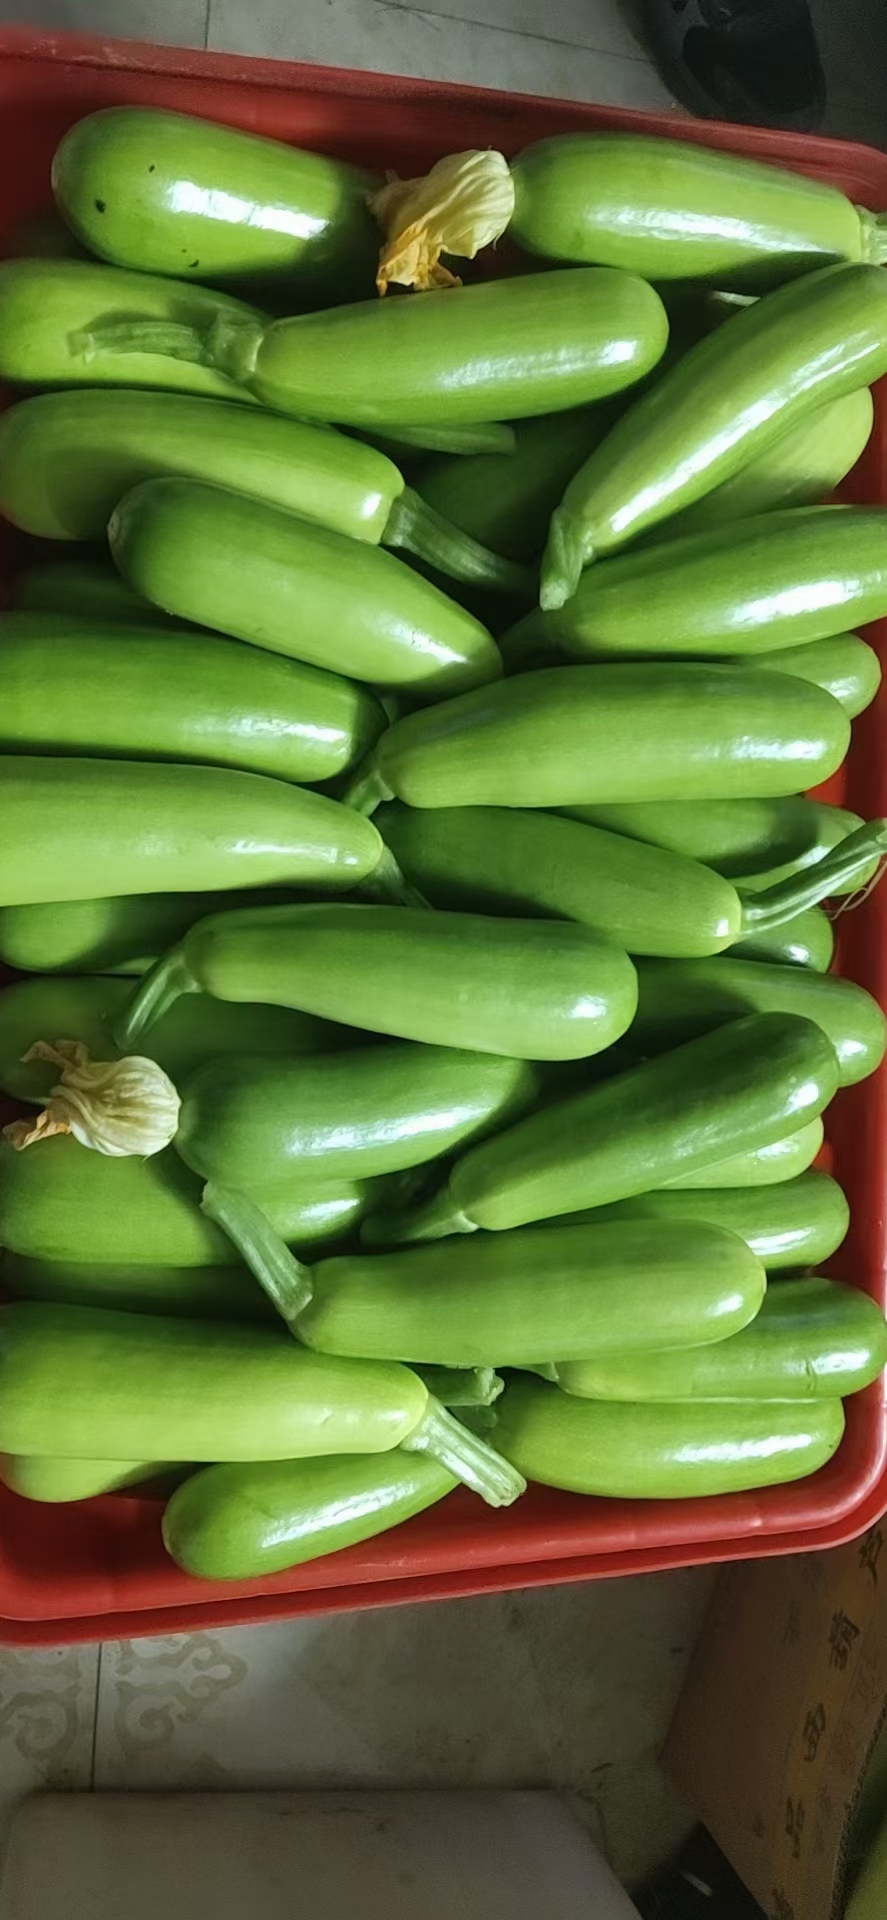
680	999
812	1339
669	209
67	458
124	934
742	1086
506	860
198	1293
64	1204
86	1383
726	400
170	193
259	573
485	354
82	587
757	841
188	696
243	1522
79	827
505	500
773	580
779	1161
49	307
796	1223
843	665
249	1122
807	940
801	469
548	1293
194	1033
535	990
566	737
50	1479
666	1450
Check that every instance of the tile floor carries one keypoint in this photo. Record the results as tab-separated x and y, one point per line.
588	48
569	1687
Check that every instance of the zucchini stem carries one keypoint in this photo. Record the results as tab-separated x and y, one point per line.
170	338
366	789
432	1219
814	883
389	885
417	527
470	1458
286	1281
874	232
229	342
567	551
489	436
462	1386
157	991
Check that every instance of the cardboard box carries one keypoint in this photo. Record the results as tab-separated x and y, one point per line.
780	1715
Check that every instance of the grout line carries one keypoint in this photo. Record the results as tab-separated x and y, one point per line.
206	25
95	1722
517	33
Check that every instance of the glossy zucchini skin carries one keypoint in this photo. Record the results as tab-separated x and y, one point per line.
87	1383
796	1223
565	737
773	580
170	193
197	1293
533	990
124	694
510	861
757	841
46	305
676	211
662	1450
538	1294
124	933
67	1205
843	665
777	1162
247	1121
812	1339
808	940
678	1000
497	350
259	573
67	458
191	1034
726	400
77	827
802	468
752	1082
242	1522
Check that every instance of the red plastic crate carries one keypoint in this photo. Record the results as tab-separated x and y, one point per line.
99	1570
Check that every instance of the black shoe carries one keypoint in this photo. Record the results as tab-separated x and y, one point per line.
755	61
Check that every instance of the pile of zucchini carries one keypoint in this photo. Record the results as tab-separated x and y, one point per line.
422	1022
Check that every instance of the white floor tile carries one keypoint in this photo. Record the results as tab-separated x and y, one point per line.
570	1687
47	1722
179	23
559	58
